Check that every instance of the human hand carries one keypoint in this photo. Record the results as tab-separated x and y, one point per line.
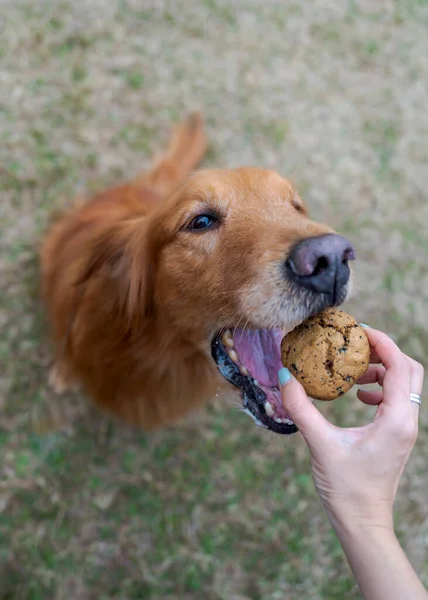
357	470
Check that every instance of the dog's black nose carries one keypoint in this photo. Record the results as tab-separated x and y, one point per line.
321	263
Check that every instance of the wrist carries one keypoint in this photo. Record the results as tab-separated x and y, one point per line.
361	528
356	520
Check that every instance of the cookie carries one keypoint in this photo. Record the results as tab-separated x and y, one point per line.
327	353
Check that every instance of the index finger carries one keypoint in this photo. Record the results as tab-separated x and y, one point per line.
384	349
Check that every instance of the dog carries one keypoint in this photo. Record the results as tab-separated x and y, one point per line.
165	290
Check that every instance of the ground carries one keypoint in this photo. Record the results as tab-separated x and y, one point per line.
333	95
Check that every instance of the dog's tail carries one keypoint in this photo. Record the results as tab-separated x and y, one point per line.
186	149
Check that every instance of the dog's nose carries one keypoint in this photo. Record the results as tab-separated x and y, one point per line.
321	263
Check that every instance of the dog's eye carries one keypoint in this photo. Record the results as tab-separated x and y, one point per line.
202	222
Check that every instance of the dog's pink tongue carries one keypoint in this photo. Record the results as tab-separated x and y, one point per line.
260	352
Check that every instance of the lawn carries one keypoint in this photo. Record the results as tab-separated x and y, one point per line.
331	94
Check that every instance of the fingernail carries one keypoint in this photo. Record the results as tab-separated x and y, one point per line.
364	325
284	376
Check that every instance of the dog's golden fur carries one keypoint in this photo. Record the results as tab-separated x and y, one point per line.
134	298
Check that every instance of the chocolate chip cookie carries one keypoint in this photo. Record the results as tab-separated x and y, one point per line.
327	353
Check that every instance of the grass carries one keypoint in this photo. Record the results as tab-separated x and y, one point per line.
331	95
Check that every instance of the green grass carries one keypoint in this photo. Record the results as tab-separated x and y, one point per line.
213	508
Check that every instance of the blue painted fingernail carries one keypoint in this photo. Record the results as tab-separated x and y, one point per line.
364	325
284	376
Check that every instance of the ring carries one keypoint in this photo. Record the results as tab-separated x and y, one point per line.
415	398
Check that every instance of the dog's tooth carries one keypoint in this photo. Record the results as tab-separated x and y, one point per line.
256	382
233	355
288	421
243	370
277	420
228	339
269	409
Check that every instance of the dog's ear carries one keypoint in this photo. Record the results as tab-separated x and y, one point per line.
121	256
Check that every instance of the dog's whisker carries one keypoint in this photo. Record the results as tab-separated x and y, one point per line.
360	291
246	326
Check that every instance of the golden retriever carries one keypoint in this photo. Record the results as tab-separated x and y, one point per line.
161	291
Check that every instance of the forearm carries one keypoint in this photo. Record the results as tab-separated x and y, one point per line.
379	564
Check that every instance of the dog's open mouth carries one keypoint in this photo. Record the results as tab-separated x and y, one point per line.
250	360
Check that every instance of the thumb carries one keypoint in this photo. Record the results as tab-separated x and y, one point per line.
300	409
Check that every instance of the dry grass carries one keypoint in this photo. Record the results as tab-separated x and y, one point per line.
333	95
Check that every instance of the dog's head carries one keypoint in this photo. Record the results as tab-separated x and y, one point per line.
235	263
227	265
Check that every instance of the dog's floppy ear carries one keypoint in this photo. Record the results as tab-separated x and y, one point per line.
122	255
